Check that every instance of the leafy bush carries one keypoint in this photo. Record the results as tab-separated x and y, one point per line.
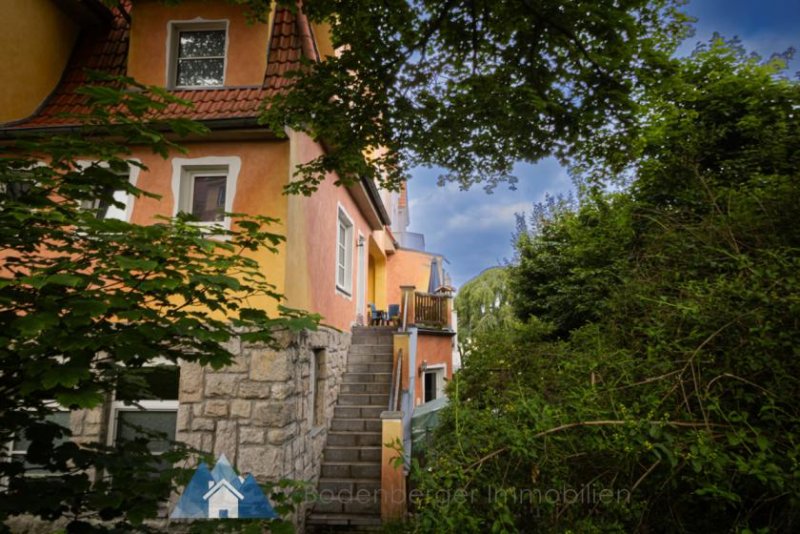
653	385
86	301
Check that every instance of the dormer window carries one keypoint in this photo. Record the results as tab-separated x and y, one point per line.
198	54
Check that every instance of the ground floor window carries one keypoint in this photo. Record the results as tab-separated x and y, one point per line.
19	445
133	417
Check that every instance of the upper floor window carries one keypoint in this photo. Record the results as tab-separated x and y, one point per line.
122	205
203	193
198	54
344	253
205	188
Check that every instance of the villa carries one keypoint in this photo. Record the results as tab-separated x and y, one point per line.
322	407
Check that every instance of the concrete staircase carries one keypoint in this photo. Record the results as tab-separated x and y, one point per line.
351	465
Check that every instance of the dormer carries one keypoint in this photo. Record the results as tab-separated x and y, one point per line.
196	44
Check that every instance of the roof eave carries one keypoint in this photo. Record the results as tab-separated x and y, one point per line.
237	125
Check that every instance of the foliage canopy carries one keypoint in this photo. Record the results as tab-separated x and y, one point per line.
472	86
86	303
482	303
659	356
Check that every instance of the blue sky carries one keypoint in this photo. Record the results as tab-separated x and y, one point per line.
473	229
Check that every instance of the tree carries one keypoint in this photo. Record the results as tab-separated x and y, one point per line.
472	86
482	303
672	389
87	302
569	259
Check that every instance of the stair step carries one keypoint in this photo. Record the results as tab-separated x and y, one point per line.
366	387
344	520
385	367
357	505
355	424
359	412
351	469
352	454
373	337
383	341
383	329
363	399
370	358
348	486
353	439
351	378
372	348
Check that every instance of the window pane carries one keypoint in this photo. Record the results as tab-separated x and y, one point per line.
200	72
161	383
154	421
430	386
202	43
20	446
208	198
60	418
16	189
341	279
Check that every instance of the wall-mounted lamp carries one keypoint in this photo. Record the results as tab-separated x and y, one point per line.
423	367
361	241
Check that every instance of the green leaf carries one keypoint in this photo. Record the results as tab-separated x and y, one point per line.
80	399
135	264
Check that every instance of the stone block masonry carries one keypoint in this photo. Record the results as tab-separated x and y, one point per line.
262	412
269	412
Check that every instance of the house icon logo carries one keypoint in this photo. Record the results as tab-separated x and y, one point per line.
222	494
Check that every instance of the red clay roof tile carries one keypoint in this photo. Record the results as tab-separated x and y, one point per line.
106	50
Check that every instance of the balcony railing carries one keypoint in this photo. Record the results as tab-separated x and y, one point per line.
430	310
425	309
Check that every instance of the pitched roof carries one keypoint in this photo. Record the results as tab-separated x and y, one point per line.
105	49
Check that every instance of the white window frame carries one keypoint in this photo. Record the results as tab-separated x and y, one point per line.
140	406
12	452
439	368
119	196
185	169
174	29
346	240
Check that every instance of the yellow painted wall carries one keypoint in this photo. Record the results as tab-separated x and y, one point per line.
322	36
377	275
36	40
370	279
246	60
261	179
312	243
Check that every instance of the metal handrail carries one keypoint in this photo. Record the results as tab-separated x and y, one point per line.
394	393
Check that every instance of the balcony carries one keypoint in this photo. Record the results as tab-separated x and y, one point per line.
426	310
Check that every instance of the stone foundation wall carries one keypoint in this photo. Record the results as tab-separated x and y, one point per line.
259	411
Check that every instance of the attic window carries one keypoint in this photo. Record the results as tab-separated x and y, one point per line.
198	54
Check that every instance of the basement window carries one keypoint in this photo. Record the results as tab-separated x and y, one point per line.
135	417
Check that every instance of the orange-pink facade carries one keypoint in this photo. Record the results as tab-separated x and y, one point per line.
137	40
